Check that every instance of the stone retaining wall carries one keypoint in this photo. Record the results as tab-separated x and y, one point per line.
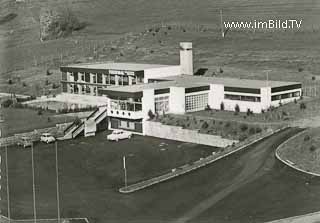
178	133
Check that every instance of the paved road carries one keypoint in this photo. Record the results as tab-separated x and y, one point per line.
254	165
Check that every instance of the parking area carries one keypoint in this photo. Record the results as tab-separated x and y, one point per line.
88	168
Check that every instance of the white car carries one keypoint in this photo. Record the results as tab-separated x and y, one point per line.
47	138
119	134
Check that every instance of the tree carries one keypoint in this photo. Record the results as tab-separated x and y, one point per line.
205	125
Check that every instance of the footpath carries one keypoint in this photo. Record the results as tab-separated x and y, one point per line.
307	218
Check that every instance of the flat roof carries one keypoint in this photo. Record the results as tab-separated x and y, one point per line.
187	81
230	82
117	66
156	86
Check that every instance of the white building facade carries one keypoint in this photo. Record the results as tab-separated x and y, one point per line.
135	91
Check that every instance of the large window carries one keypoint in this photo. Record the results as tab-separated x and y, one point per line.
242	97
161	104
196	102
284	96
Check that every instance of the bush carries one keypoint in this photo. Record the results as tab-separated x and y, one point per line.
306	138
10	81
55	86
222	106
151	115
24	84
205	125
40	112
7	103
243	127
237	109
207	108
312	148
48	72
258	130
300	69
303	106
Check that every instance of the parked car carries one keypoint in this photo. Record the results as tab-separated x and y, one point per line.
25	142
119	134
47	138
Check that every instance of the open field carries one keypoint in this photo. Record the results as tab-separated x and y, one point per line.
19	120
123	36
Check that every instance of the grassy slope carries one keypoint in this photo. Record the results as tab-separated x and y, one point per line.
304	153
240	54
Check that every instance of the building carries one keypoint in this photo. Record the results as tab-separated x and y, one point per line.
134	91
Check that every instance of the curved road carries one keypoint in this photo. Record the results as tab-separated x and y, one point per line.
254	163
253	186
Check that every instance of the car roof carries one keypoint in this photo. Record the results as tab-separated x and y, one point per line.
46	133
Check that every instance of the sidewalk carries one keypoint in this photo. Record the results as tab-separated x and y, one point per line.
308	218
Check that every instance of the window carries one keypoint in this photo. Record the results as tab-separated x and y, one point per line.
284	96
242	97
196	102
112	79
99	78
161	104
87	77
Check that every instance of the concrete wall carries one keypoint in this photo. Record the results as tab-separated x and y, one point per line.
159	130
155	73
177	104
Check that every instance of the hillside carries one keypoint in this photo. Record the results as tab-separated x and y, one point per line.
126	30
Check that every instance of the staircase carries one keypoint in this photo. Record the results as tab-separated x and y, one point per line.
88	125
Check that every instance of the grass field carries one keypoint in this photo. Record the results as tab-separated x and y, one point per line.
304	151
119	35
19	120
91	174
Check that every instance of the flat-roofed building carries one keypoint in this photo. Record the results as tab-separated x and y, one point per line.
132	91
86	79
128	106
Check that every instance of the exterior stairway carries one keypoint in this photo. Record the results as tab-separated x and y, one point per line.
88	125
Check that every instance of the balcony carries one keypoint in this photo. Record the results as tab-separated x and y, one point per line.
125	109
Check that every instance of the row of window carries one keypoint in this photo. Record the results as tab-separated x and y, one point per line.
109	78
284	96
242	98
196	102
82	89
125	105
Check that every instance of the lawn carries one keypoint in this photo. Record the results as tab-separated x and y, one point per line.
19	120
91	174
304	150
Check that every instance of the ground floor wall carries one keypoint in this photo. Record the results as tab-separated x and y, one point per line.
134	126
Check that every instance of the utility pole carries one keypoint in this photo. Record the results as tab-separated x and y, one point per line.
33	187
8	194
125	171
57	181
221	24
